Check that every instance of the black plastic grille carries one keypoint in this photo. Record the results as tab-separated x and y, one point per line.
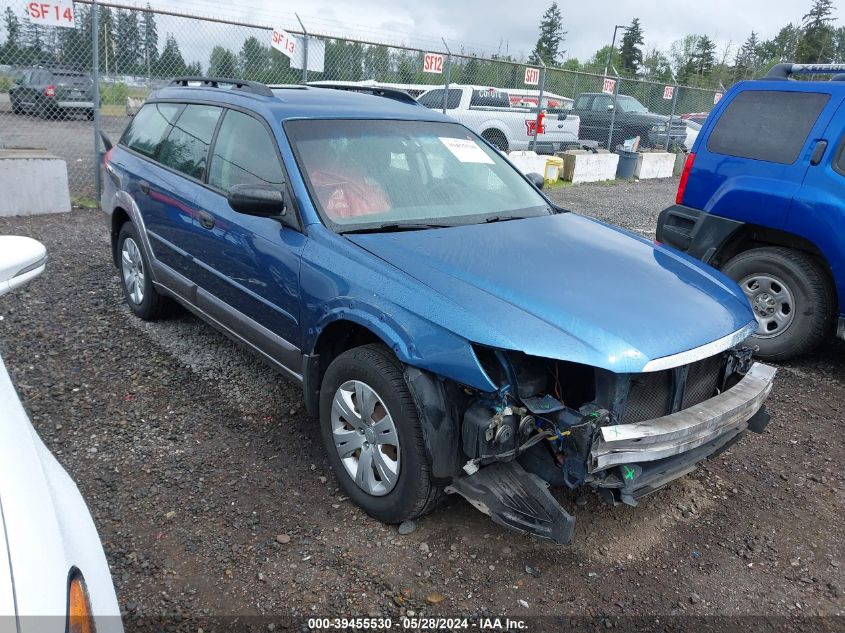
702	381
650	395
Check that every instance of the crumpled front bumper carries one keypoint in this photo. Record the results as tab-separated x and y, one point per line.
726	414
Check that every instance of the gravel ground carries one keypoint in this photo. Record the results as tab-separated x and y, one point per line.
212	495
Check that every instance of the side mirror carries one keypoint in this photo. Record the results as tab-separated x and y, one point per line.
265	201
21	259
536	179
609	107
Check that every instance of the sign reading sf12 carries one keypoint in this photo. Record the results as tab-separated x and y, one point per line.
433	63
51	13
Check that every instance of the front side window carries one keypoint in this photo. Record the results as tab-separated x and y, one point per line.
149	127
244	154
186	147
770	125
375	174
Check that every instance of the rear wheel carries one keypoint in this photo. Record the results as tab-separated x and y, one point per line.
791	297
372	433
135	278
496	139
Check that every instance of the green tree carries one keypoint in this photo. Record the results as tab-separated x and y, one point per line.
106	40
705	56
254	59
222	63
631	55
782	47
149	39
75	44
816	43
656	66
129	48
171	63
552	36
344	61
471	71
10	49
747	60
376	63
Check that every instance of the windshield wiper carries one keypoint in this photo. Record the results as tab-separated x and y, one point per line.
394	226
498	218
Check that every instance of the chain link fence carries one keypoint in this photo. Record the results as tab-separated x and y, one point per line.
47	83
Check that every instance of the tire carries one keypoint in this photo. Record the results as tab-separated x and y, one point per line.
791	296
16	109
89	114
496	139
134	270
410	494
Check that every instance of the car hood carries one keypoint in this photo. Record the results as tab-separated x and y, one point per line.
567	287
47	531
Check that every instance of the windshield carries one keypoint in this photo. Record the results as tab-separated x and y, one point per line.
383	175
629	104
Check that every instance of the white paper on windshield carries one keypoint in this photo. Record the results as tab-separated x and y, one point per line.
465	150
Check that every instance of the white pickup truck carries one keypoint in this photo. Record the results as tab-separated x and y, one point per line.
489	113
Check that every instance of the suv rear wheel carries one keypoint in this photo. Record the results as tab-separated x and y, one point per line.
791	298
496	139
135	278
372	433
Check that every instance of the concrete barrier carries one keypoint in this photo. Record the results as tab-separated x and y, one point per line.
583	166
32	182
654	165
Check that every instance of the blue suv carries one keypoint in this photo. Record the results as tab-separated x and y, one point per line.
453	330
761	198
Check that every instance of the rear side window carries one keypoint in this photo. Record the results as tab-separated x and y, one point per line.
149	126
767	125
434	99
244	154
490	97
186	147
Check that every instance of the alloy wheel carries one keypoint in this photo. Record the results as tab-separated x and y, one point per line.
132	268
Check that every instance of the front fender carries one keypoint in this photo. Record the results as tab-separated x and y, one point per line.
369	293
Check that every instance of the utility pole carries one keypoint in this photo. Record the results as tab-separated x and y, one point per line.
613	46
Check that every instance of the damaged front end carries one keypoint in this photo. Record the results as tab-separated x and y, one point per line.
555	423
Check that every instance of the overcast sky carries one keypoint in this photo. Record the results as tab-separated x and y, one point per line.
484	25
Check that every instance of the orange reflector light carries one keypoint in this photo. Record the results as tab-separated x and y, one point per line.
79	616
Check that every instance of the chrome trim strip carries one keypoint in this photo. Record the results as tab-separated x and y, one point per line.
40	263
705	351
685	430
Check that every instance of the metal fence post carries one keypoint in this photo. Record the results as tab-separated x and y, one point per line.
95	73
304	50
448	81
613	114
539	105
671	116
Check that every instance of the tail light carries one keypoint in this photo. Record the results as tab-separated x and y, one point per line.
50	91
80	619
682	186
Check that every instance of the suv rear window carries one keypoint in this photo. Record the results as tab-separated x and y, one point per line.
770	125
489	98
149	126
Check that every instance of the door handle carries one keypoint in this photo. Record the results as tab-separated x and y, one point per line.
818	152
144	186
206	219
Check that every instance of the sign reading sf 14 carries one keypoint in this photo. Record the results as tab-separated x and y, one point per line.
51	13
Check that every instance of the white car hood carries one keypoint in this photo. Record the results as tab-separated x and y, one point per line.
47	531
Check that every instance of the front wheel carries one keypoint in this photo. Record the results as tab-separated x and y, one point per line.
791	297
371	430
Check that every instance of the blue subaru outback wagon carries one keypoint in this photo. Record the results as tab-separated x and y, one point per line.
453	329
